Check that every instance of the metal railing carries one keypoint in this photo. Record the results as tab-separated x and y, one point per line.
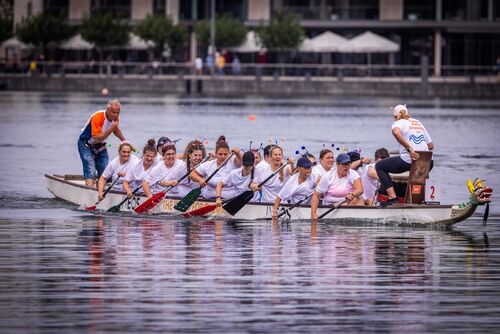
308	71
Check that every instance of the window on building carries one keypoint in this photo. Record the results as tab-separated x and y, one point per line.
354	9
120	8
159	7
454	10
419	10
56	7
200	9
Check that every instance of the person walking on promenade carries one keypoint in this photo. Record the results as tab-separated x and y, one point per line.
412	136
92	141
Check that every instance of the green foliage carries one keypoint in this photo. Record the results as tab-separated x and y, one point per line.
178	38
229	32
104	31
6	30
41	29
155	28
283	33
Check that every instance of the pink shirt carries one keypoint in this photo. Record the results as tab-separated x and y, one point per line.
335	189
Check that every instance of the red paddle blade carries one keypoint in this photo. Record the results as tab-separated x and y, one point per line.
91	208
150	203
201	211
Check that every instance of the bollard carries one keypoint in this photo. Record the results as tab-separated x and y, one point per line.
424	75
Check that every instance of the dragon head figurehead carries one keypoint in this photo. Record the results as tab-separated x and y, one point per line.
479	192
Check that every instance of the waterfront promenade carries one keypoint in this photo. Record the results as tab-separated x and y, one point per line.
297	80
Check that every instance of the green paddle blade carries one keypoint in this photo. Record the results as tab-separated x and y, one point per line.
115	208
236	203
188	200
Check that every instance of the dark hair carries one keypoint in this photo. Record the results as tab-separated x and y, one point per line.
221	139
168	146
310	155
267	150
324	152
381	153
220	145
150	146
192	146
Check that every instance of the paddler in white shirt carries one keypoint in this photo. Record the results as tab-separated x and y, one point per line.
138	173
298	186
166	173
238	180
338	184
207	168
117	169
326	163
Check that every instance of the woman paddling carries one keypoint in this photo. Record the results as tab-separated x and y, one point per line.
136	174
339	184
207	168
193	154
165	174
159	145
369	177
325	165
117	169
412	137
271	188
298	186
238	180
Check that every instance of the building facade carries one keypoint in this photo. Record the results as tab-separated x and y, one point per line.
449	32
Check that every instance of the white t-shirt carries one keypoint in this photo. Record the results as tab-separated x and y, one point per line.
114	167
207	168
292	191
158	158
369	183
161	172
319	171
415	134
235	183
136	174
335	189
272	187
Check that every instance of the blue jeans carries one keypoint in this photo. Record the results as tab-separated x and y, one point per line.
93	163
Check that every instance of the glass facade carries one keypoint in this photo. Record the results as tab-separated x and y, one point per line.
200	9
329	9
159	7
120	8
56	7
419	10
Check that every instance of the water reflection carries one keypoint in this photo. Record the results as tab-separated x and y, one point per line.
261	276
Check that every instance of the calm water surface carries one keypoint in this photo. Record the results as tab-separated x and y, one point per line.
65	271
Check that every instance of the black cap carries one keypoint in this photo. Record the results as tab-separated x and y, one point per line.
304	162
267	150
162	141
248	158
354	156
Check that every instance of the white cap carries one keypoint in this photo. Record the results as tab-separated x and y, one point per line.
399	108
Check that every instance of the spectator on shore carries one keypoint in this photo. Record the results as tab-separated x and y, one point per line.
236	65
198	65
221	62
209	61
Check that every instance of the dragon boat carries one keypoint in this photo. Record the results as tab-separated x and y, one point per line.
72	188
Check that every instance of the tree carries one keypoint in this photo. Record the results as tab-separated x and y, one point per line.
41	29
177	39
104	31
156	29
283	33
229	32
6	30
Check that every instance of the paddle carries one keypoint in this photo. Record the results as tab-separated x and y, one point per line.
294	206
191	197
332	208
93	207
158	197
235	204
116	208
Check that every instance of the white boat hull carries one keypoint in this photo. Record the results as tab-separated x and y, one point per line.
76	192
